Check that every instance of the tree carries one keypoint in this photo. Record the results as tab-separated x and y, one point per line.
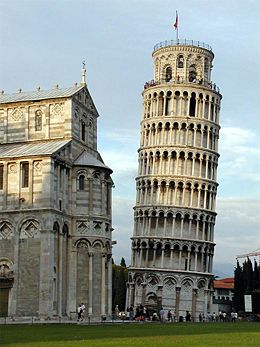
247	281
122	262
239	288
256	289
119	280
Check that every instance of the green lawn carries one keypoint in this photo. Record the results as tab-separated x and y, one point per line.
134	335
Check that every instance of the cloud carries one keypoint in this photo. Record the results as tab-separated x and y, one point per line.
240	160
237	228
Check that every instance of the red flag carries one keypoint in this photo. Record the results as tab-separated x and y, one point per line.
175	25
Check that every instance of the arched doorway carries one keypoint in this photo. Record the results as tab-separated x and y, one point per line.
6	284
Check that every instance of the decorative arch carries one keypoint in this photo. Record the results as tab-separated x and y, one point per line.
30	229
6	230
82	243
6	268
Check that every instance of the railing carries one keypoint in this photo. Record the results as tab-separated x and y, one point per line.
183	42
180	80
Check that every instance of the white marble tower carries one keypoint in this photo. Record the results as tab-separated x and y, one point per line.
173	239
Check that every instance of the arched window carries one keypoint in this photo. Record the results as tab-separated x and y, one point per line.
38	120
83	131
192	73
180	61
25	174
81	182
192	104
168	74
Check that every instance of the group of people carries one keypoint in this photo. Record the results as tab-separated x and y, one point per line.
179	79
221	316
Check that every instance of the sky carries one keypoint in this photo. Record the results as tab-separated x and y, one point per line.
43	43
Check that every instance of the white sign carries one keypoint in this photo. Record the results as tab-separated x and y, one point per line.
248	303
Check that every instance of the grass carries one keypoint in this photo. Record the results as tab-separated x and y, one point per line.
132	335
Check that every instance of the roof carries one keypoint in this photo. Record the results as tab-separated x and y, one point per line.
39	94
225	283
87	159
31	148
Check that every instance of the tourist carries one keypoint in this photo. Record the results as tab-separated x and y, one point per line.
161	313
169	316
214	317
117	311
79	310
188	316
200	317
220	314
131	312
154	317
224	316
127	313
83	307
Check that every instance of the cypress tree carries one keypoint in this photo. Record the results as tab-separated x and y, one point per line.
256	289
123	263
238	288
119	279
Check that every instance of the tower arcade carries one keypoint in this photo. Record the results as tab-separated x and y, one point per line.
176	186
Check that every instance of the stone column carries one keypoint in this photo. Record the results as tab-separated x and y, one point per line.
159	296
182	220
103	195
90	284
14	290
194	304
72	288
46	274
177	302
196	261
207	263
143	293
171	257
206	293
162	258
154	255
132	294
90	195
103	285
60	274
146	256
197	230
190	221
173	225
47	127
31	169
203	108
180	254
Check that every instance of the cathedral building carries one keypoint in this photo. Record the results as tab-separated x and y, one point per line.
174	215
55	206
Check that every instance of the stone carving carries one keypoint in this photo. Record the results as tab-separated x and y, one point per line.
12	168
83	227
186	285
169	283
17	114
5	271
82	244
6	231
30	229
57	109
37	165
98	227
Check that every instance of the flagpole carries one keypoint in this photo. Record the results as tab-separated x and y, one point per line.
177	29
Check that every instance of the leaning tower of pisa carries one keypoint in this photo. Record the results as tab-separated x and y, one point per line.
174	215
